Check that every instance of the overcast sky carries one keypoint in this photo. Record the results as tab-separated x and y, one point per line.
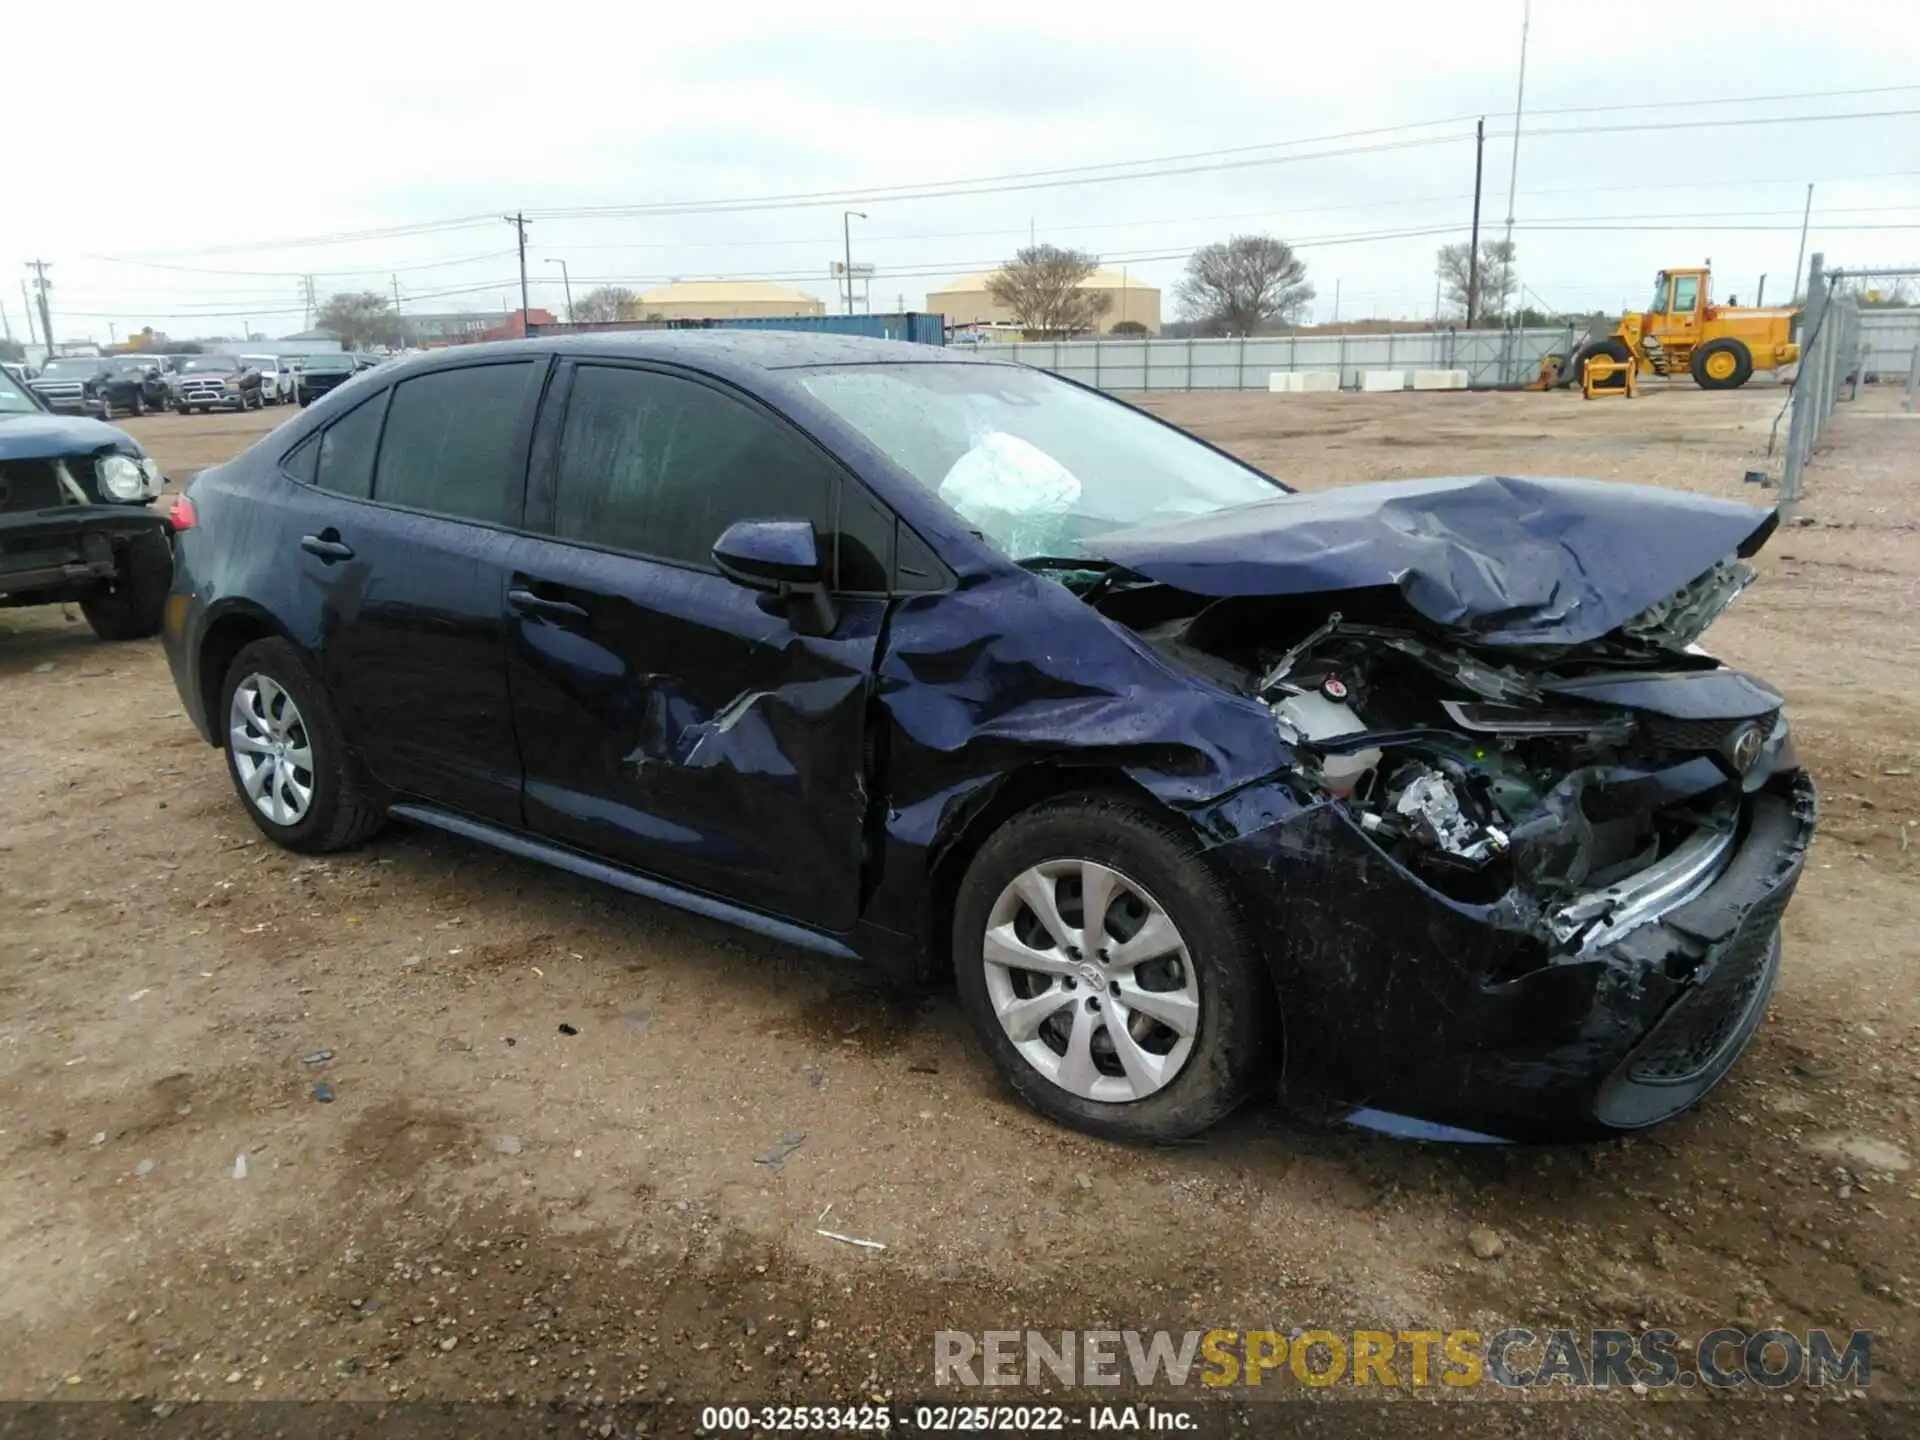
212	150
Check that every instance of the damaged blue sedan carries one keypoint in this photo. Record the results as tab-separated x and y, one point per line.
1417	799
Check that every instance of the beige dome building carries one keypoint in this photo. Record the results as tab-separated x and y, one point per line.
966	301
723	300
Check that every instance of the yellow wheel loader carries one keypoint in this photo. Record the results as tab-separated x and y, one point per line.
1684	332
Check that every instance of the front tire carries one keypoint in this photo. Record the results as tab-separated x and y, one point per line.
134	607
287	757
1722	365
1147	1026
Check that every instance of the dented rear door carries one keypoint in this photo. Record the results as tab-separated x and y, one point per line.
670	720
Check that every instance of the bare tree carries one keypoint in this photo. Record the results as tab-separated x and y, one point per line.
360	319
1498	283
1237	286
608	302
1041	287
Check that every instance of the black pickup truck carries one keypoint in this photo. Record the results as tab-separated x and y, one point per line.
103	385
77	520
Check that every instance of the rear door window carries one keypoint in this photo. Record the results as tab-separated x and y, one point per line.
450	443
660	466
345	464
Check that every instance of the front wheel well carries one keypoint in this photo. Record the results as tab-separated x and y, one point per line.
226	638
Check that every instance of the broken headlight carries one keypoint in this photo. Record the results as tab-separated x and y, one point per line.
121	477
124	478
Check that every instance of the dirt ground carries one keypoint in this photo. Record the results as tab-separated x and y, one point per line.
491	1207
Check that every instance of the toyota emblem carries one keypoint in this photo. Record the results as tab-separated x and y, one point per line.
1745	750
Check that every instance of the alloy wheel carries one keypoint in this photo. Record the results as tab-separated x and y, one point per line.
272	751
1090	979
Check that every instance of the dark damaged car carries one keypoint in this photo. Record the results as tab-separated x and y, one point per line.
1420	797
77	523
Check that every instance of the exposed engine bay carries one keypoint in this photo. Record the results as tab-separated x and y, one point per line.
1573	788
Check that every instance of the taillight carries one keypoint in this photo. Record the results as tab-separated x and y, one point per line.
181	516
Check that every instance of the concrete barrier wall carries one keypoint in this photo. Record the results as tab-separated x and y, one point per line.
1489	357
1377	380
1439	379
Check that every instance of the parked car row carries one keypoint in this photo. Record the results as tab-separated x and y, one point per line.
110	385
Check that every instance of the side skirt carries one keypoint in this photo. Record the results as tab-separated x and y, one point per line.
563	859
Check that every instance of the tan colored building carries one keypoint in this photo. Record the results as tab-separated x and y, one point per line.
723	300
966	301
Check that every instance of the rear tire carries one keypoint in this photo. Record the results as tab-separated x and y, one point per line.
1615	350
1722	365
135	606
1180	1074
319	795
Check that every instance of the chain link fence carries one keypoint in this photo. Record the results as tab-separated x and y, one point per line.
1841	347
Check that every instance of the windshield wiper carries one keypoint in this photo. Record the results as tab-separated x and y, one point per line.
1064	562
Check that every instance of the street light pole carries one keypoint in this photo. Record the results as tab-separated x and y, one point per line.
1519	100
567	281
846	235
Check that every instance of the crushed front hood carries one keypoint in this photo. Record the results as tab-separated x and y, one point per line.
41	437
1513	561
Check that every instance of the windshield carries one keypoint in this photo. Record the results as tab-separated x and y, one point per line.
1035	464
1659	305
210	364
131	366
70	369
14	399
327	362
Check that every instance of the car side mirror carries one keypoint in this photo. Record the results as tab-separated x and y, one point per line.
780	558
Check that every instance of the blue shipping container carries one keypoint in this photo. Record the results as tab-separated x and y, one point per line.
922	329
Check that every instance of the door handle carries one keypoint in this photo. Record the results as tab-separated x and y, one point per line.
327	545
524	599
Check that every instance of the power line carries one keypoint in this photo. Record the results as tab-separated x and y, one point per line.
299	274
1127	170
1091	173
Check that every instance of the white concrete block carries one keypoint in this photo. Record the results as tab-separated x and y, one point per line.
1439	379
1300	382
1383	380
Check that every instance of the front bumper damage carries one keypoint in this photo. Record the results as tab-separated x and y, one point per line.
64	553
1418	1014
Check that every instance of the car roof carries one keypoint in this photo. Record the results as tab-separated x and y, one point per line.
729	353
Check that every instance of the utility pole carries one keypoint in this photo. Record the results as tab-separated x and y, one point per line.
567	281
1519	99
307	299
1805	216
26	303
6	322
519	222
41	284
1473	247
1760	297
1336	302
846	235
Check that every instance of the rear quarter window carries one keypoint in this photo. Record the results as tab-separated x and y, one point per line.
449	445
